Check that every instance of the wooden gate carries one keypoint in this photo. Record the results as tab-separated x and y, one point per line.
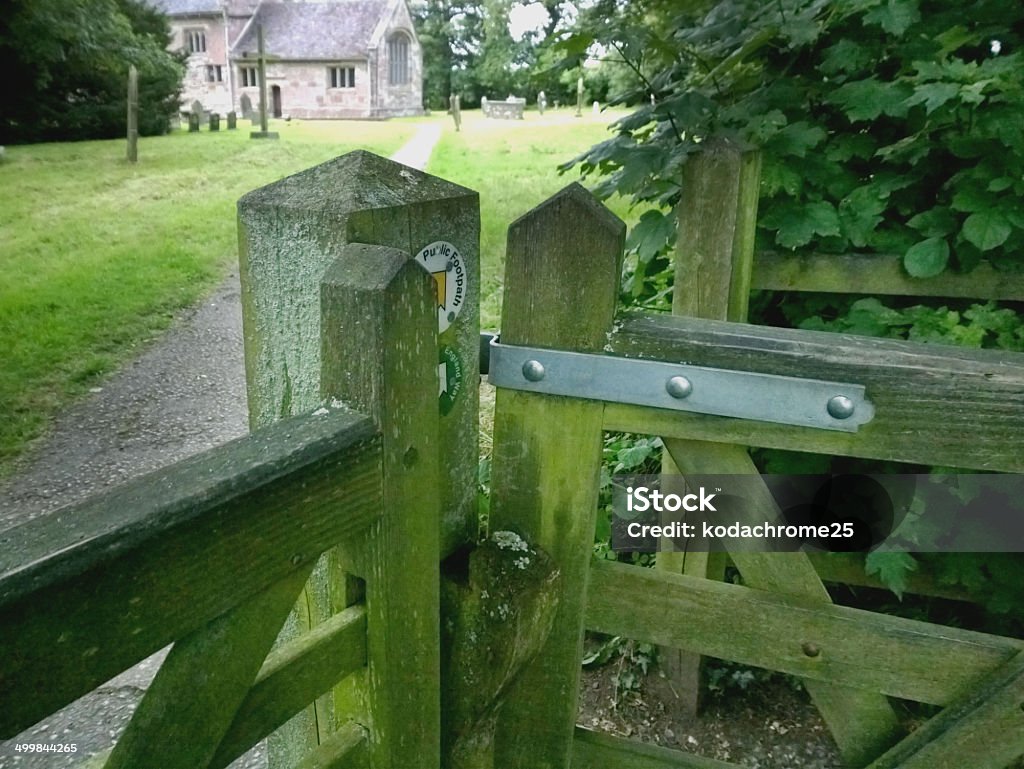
933	405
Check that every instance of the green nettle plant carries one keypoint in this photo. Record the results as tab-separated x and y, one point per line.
886	126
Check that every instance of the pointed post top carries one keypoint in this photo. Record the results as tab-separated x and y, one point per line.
356	181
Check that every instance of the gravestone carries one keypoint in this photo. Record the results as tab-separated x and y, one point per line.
456	109
193	122
232	120
197	109
214	121
246	103
542	102
597	108
579	96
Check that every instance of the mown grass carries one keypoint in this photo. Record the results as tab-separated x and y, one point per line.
514	167
97	255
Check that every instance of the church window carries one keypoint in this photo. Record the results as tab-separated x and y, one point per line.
342	77
248	76
195	40
398	60
214	73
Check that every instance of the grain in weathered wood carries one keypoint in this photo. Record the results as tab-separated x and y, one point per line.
876	652
862	722
596	750
346	749
934	404
983	730
561	285
717	219
878	274
292	677
291	231
379	352
86	591
188	707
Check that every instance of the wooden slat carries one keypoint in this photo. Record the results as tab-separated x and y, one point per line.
862	722
878	274
346	749
848	569
899	657
561	284
595	750
189	705
243	517
293	676
379	353
934	404
983	730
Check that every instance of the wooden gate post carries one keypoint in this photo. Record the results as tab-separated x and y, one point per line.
714	256
561	288
289	233
717	217
378	342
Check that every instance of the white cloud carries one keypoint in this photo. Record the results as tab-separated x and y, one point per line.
526	19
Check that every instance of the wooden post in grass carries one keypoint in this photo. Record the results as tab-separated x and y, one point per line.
133	114
379	341
290	232
561	288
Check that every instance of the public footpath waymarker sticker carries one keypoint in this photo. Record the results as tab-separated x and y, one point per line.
450	377
443	260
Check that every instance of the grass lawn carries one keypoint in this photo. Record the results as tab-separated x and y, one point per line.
97	255
514	166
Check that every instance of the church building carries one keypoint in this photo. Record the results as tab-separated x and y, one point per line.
324	58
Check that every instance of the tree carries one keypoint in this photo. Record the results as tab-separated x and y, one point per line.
70	59
888	125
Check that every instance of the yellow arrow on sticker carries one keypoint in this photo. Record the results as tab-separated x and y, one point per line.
442	284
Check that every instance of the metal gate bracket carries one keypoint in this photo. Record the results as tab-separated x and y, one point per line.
679	387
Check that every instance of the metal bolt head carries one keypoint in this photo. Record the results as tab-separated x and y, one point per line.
809	649
840	407
679	387
533	370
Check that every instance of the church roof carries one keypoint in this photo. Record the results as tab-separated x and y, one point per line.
317	30
186	7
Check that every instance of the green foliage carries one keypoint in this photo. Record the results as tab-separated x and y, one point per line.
69	59
893	126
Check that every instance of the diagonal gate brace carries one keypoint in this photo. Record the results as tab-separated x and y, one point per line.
681	387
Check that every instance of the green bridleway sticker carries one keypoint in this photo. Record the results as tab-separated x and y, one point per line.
450	377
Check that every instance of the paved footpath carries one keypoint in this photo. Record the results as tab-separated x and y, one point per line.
182	396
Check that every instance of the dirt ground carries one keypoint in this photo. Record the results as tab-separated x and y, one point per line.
756	720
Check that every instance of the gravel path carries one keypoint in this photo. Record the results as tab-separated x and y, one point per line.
186	394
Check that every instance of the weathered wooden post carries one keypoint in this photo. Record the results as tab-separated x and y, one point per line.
289	233
561	288
579	96
378	343
232	120
714	256
133	114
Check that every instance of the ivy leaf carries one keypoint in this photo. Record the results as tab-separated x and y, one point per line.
933	95
934	223
895	16
797	224
927	258
650	235
867	99
892	568
796	138
859	214
986	229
